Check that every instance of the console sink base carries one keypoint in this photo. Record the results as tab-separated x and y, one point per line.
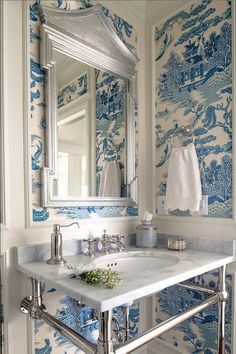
35	308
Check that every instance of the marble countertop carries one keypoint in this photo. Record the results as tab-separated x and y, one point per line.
188	264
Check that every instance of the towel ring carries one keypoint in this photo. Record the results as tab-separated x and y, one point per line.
180	132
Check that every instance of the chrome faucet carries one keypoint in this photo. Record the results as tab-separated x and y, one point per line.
107	241
56	244
116	239
90	241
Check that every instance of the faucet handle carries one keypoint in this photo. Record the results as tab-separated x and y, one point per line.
105	237
118	239
90	241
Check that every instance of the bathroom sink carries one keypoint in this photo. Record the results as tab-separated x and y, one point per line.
143	271
135	261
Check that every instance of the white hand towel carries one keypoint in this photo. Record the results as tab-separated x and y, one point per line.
183	189
110	184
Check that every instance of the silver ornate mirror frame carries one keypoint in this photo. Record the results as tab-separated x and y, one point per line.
88	36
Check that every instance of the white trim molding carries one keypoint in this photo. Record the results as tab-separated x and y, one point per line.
4	222
2	175
233	333
4	298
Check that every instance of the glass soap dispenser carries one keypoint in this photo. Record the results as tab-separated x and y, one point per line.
146	235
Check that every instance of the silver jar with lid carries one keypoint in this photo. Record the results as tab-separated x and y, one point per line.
146	235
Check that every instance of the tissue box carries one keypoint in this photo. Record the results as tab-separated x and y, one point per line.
146	236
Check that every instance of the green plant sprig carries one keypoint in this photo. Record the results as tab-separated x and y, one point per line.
104	277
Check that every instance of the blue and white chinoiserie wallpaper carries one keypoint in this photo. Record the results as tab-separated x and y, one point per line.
197	335
73	90
127	34
193	85
66	309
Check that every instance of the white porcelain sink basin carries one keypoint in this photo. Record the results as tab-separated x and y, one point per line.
135	261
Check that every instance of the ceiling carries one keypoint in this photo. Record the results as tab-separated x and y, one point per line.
67	68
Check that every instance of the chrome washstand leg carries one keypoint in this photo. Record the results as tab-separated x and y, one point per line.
32	304
125	310
221	310
104	344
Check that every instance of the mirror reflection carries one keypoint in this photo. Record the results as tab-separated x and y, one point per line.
91	131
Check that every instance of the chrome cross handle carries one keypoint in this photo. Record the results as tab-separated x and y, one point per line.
90	241
107	241
117	239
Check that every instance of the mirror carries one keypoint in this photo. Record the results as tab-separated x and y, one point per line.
91	131
90	85
75	128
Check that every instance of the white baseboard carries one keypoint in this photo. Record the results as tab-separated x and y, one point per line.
155	347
